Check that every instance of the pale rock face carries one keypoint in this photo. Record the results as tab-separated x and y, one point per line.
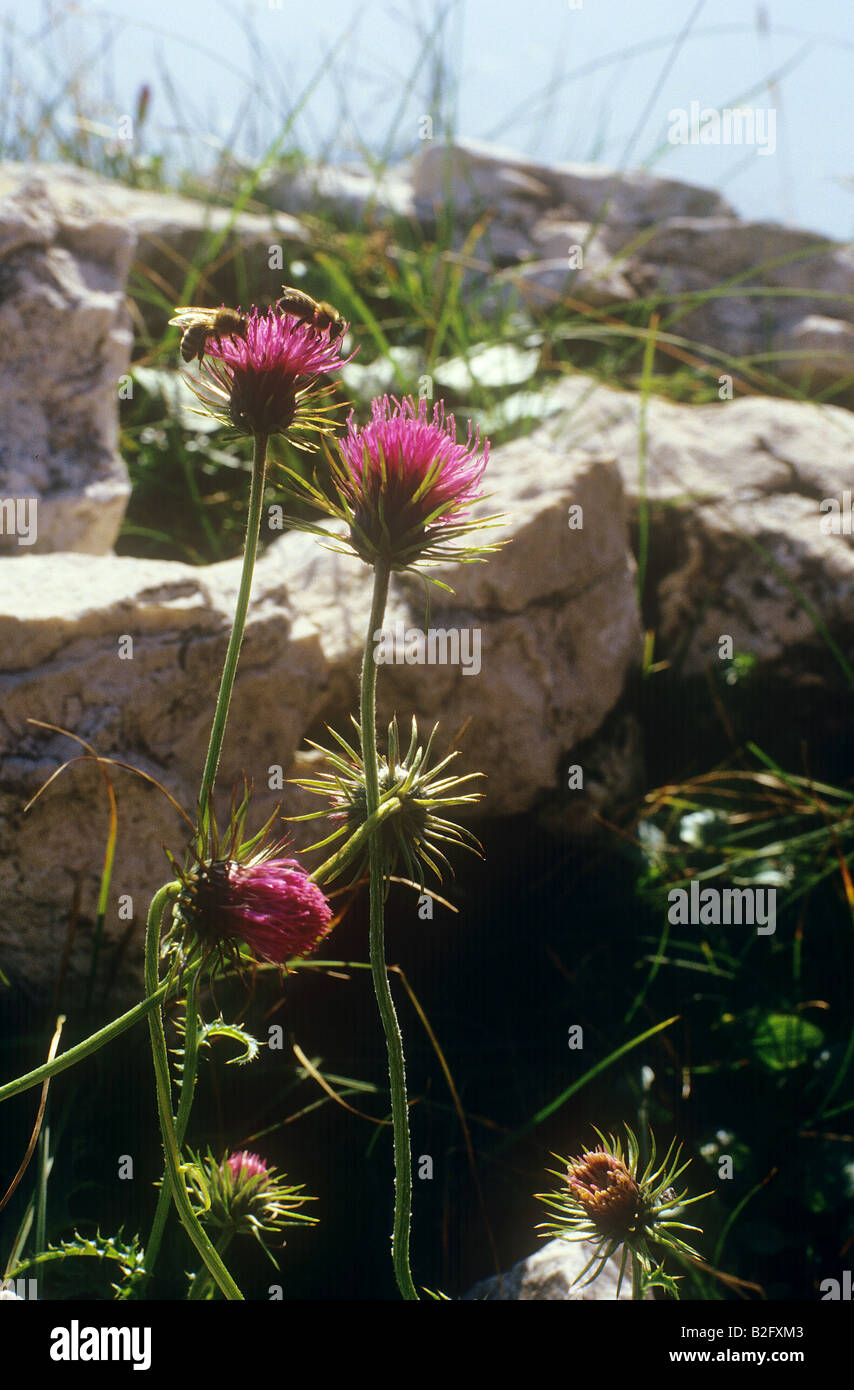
165	232
572	259
64	342
826	350
549	1276
644	237
472	174
353	192
734	490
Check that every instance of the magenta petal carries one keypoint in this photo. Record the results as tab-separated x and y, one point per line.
276	909
410	447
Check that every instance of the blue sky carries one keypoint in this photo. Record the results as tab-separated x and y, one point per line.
559	79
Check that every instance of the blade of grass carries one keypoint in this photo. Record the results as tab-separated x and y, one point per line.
595	1070
643	456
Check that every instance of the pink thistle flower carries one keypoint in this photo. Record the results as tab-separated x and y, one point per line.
413	459
270	905
264	379
245	1195
245	1165
407	481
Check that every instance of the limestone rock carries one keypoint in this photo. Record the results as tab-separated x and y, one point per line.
549	1274
644	237
543	282
67	241
819	350
64	343
168	233
472	175
736	523
353	192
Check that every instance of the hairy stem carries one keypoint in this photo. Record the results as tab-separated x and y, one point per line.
174	1177
379	971
223	703
85	1048
637	1277
336	864
229	670
191	1048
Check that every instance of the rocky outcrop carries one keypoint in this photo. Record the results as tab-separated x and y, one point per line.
65	341
218	245
740	546
348	190
553	233
747	510
550	234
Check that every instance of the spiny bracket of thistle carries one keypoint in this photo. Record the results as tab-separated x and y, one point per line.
263	379
414	833
403	486
217	1028
244	1195
130	1257
606	1199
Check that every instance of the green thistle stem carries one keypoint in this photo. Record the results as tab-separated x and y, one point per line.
637	1277
379	971
174	1177
229	670
191	1052
83	1049
202	1281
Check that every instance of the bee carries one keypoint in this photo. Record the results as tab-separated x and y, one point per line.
317	313
201	324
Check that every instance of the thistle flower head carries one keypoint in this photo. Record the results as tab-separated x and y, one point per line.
415	794
270	905
244	894
244	1195
404	484
263	380
245	1165
606	1198
606	1191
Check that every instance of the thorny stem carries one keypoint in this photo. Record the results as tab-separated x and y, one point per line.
191	1049
174	1177
229	670
379	972
85	1048
223	702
